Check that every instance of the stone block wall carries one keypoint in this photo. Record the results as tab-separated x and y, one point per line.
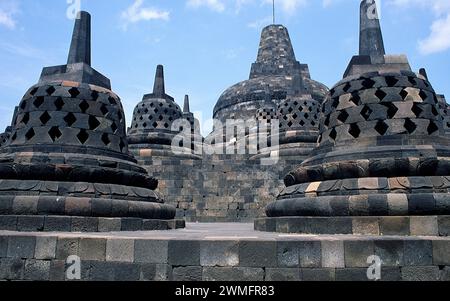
219	188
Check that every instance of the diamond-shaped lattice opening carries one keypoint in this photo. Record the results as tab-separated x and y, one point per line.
83	136
368	83
161	118
416	109
290	123
93	123
302	123
347	87
166	125
59	103
160	104
391	81
152	105
380	94
26	118
38	101
141	118
94	95
391	109
144	125
412	80
366	112
112	100
121	145
381	127
404	94
84	106
335	103
32	92
156	111
74	92
150	117
432	128
23	105
54	133
423	95
114	127
327	121
290	110
30	134
333	134
50	90
343	116
410	126
306	115
355	98
70	119
166	111
295	116
434	111
45	117
354	130
146	111
104	110
105	139
14	137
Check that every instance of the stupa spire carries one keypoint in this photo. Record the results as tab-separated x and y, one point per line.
186	108
370	36
159	89
80	48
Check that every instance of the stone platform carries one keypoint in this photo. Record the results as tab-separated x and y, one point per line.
221	252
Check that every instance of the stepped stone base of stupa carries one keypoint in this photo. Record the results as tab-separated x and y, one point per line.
221	252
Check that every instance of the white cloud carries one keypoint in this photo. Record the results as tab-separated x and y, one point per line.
439	38
8	10
136	13
288	6
215	5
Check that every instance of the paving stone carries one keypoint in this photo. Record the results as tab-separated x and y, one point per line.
3	246
310	253
30	223
66	247
283	274
121	250
422	273
57	270
184	253
424	226
333	254
187	273
37	270
351	274
11	268
257	254
318	274
390	252
444	225
84	224
288	254
418	253
109	224
394	225
232	274
21	247
8	223
219	253
57	224
92	249
441	252
357	253
45	248
151	251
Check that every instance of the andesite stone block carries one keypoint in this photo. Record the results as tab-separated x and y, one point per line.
418	253
120	250
351	274
219	253
190	273
333	254
357	252
310	253
184	253
441	253
283	274
37	270
318	274
420	273
258	254
21	247
92	249
151	251
288	254
232	273
45	247
66	247
30	223
390	251
11	268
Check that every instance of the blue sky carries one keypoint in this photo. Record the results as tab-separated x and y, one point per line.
208	45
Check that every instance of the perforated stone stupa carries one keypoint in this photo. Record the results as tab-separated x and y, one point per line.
66	165
383	161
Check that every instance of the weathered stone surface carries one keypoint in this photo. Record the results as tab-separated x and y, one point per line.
66	247
257	254
357	253
283	274
232	273
121	250
333	254
187	273
37	270
45	248
151	251
441	254
219	253
421	273
21	247
92	249
184	253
